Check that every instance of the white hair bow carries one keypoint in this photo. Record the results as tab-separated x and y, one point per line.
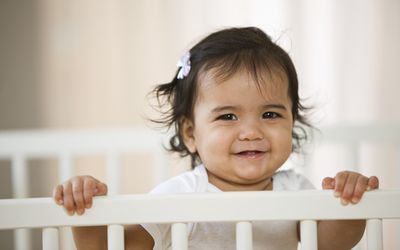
184	63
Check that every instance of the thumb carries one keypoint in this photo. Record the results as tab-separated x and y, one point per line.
328	183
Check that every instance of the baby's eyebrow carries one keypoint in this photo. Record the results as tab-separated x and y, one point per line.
274	106
220	109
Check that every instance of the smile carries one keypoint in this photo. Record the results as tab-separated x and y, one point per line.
250	154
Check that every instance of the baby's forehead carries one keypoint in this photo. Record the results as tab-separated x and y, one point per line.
267	81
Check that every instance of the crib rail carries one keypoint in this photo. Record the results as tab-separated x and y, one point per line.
116	211
19	146
255	206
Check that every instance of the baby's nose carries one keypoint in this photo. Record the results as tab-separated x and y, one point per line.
250	131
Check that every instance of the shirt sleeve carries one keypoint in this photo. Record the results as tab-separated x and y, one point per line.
160	234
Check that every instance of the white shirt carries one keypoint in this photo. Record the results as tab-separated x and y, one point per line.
274	235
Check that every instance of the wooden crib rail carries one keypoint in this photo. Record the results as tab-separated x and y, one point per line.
242	207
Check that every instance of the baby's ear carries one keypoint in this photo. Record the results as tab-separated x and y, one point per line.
187	132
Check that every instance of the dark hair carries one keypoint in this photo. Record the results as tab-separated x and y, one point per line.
227	51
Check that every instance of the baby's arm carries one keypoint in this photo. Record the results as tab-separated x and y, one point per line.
76	195
349	187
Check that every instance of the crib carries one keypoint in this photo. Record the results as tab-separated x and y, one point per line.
22	213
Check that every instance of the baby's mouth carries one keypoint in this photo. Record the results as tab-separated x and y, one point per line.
249	153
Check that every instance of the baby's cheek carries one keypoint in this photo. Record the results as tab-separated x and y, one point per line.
285	144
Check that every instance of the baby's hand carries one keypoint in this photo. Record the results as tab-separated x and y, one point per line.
350	186
76	194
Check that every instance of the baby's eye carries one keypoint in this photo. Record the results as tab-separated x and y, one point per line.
227	117
271	115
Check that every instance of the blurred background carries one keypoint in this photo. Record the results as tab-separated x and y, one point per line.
90	65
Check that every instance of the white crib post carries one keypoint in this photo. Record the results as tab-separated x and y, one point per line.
179	236
66	170
374	234
50	239
65	167
244	236
22	237
19	176
113	173
115	237
308	235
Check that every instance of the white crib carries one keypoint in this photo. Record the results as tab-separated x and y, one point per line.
115	210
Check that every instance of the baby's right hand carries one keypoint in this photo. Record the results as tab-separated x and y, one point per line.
76	194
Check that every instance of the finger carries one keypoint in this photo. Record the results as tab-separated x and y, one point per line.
373	183
89	190
101	188
328	183
348	189
58	194
69	204
77	190
340	180
359	189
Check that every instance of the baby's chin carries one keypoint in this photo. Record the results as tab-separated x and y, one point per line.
255	182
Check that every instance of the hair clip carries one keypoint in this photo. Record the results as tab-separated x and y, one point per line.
184	63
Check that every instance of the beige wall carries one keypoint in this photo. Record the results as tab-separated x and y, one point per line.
19	65
74	64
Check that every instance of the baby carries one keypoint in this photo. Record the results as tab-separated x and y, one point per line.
236	111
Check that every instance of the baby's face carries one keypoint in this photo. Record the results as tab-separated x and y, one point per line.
242	132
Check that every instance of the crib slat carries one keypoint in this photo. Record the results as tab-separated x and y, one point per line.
50	238
115	234
244	236
65	169
179	236
113	173
374	234
308	235
65	166
22	237
19	176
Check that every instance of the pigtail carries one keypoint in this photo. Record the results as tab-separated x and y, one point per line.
174	101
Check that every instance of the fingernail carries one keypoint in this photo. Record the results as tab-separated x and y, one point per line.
60	202
88	205
70	212
368	188
344	202
336	194
79	211
355	200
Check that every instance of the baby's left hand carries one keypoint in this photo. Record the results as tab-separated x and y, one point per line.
350	186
